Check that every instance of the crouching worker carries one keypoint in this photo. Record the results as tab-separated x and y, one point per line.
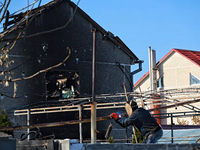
141	119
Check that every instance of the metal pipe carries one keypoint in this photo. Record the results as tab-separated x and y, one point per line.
80	124
93	105
153	59
93	66
84	120
54	124
150	70
136	71
172	128
93	123
175	105
28	123
68	108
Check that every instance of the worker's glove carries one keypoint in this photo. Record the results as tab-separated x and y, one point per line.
114	116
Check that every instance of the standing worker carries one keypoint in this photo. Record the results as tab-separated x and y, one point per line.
142	120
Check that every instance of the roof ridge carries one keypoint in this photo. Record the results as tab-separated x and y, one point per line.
194	58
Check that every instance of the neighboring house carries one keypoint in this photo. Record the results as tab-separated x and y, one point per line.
177	69
44	42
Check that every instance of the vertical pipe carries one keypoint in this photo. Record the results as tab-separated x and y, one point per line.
136	71
93	66
172	135
45	85
152	71
93	105
153	65
93	123
150	66
28	123
80	124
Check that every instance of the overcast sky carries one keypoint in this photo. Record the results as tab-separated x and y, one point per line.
161	24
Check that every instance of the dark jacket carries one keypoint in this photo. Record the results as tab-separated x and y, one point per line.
142	119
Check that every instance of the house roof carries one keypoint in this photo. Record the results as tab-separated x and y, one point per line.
115	39
193	56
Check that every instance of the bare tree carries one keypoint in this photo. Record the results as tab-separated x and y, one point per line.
9	44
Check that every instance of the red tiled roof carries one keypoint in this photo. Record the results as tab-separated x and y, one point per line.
193	56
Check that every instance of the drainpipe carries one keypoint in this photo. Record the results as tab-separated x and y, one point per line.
136	71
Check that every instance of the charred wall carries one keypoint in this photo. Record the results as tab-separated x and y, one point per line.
44	50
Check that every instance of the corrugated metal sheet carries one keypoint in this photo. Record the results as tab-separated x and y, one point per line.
180	135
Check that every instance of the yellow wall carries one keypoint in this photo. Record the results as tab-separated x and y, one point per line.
176	69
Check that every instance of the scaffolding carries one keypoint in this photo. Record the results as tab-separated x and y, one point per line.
168	99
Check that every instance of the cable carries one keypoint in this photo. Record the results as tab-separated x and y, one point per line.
3	5
124	72
56	29
23	8
41	71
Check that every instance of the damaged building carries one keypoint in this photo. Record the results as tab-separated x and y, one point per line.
57	31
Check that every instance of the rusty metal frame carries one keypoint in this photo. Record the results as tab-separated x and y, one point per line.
110	105
68	108
53	124
79	108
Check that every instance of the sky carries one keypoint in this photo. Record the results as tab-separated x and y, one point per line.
161	24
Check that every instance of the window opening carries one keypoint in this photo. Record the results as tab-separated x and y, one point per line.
160	83
62	84
194	80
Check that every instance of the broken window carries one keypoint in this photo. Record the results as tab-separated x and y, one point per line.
62	84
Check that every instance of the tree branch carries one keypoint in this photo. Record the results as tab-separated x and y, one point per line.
3	5
5	11
41	71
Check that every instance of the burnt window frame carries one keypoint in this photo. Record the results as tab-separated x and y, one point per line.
54	90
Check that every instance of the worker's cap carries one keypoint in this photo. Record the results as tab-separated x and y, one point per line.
133	104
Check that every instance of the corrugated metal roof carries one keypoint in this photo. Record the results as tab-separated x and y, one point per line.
179	127
180	136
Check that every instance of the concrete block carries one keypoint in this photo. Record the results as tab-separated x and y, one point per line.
63	144
128	146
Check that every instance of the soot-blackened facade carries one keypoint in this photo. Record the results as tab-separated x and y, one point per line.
46	42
